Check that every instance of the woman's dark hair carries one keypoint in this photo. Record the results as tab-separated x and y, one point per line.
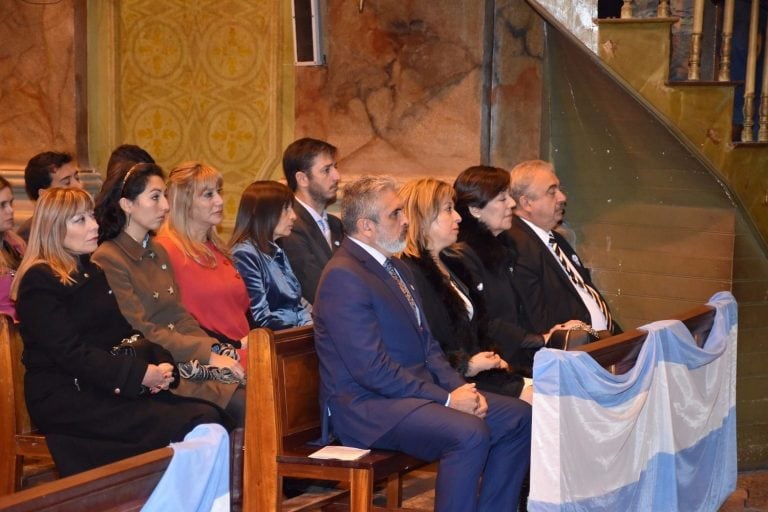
127	153
261	206
128	180
477	186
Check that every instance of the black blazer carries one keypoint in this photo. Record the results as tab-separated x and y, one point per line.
544	289
459	337
486	264
307	249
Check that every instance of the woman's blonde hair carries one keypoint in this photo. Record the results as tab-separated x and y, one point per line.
53	209
421	203
187	181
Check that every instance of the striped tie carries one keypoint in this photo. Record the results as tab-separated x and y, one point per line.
390	267
578	281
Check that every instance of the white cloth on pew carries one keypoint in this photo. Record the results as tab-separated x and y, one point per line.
661	437
197	479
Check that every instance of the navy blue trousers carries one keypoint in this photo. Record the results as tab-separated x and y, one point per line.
482	461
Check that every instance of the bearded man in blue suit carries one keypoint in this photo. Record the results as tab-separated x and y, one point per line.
385	380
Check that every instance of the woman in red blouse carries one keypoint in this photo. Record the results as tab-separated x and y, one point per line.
211	289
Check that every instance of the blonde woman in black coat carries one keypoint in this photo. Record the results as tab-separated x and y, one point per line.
456	317
94	407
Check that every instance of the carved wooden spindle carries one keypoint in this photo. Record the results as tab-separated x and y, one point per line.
762	132
724	75
626	9
662	11
694	60
749	82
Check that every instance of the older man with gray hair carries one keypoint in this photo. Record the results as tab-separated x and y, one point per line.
552	283
385	382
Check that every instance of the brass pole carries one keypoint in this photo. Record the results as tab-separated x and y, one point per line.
749	83
725	50
694	61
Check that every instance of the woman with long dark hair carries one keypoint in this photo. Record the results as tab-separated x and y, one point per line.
264	215
130	208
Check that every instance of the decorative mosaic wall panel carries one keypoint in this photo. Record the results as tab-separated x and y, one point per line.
200	80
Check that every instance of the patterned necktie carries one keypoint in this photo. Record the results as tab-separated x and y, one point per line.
578	281
403	288
325	229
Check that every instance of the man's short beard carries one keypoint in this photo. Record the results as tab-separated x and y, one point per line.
392	246
319	198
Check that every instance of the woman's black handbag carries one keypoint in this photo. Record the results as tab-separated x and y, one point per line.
575	337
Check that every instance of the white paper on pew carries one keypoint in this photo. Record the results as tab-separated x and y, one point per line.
339	453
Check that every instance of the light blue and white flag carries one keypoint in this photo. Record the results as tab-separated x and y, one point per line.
197	478
661	437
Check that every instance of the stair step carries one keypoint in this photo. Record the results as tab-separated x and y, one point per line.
700	83
629	21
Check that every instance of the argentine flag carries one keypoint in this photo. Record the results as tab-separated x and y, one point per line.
661	437
197	478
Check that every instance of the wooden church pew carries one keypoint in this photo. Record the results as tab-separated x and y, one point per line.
283	415
619	353
118	487
18	438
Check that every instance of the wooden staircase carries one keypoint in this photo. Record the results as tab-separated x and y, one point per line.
662	204
638	50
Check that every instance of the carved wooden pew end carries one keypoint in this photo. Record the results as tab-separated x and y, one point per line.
283	415
18	438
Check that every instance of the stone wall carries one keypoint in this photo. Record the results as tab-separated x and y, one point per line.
425	88
38	89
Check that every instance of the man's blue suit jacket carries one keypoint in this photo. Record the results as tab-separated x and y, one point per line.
377	364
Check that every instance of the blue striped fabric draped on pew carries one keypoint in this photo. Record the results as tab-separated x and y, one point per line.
660	437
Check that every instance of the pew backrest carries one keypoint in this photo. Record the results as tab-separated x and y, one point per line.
618	353
118	487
